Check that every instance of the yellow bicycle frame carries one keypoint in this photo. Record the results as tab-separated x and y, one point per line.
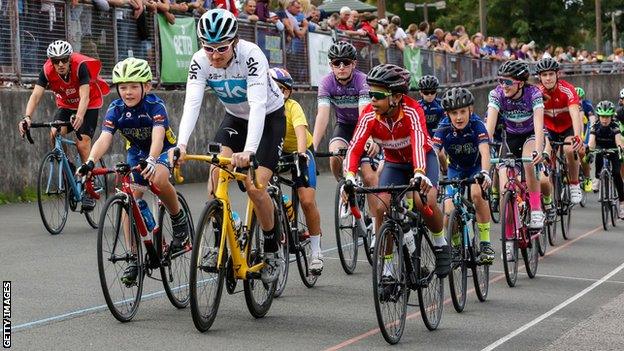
228	237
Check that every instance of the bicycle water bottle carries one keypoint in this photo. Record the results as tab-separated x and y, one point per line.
147	214
289	207
408	240
237	222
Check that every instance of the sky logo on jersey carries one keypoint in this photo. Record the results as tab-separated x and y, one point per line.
230	91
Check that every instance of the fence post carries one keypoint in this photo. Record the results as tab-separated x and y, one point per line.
115	43
15	36
157	47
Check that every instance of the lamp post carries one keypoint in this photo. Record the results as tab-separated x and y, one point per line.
439	5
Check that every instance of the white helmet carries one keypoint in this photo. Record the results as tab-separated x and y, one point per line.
217	26
59	48
622	94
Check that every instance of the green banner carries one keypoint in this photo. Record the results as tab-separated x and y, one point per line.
412	61
178	43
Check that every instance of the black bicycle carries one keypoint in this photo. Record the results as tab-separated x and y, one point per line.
559	178
397	268
608	195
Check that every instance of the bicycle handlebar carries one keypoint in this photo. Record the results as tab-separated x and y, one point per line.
219	161
339	152
352	189
55	124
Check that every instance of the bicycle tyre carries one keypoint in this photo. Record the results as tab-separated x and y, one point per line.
542	243
566	212
553	224
176	287
303	252
258	295
605	201
207	241
59	198
495	215
346	233
458	278
391	326
431	296
614	204
284	250
530	256
367	237
115	211
101	183
509	218
480	272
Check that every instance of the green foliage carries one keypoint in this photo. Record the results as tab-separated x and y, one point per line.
27	195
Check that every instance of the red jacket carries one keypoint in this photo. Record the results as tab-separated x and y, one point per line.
404	141
68	93
229	5
370	32
557	104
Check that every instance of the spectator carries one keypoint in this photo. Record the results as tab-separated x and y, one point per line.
345	13
400	33
514	47
460	30
262	10
132	29
294	27
490	49
412	29
476	49
462	45
570	54
548	51
392	38
229	5
447	44
274	19
438	34
249	11
617	56
355	16
369	26
333	21
421	36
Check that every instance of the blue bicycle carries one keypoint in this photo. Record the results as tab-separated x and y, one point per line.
461	231
58	190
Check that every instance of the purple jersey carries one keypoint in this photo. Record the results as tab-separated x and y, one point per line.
345	98
517	114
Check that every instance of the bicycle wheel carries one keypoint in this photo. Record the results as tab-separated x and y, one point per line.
494	212
101	187
118	243
367	236
530	256
566	212
390	293
205	278
284	251
542	243
174	269
458	278
509	233
258	295
480	272
346	232
614	203
431	292
303	251
52	193
605	201
553	224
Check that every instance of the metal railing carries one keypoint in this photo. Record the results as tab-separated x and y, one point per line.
28	26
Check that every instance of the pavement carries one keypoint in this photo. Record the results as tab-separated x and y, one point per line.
576	301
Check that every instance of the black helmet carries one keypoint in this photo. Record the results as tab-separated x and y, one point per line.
546	64
456	98
428	83
342	50
394	78
515	69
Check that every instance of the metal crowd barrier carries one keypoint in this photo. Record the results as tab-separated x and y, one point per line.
28	26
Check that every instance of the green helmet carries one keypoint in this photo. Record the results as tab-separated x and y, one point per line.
580	92
605	108
132	70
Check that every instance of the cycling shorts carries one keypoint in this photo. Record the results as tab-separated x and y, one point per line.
458	174
516	143
135	155
310	169
401	173
560	137
233	133
89	122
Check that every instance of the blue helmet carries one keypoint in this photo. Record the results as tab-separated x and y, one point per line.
217	26
282	76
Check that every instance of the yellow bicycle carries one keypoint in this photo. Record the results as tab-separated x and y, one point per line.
223	250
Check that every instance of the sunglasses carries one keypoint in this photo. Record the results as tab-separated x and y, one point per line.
428	92
56	61
507	82
378	95
341	62
220	49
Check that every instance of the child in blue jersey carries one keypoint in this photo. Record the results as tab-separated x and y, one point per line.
434	113
588	120
464	138
142	120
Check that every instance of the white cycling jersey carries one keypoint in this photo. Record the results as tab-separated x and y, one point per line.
244	87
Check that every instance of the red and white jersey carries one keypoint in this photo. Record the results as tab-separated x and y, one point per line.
404	140
556	106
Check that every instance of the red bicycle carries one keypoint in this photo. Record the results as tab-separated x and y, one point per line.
515	218
121	231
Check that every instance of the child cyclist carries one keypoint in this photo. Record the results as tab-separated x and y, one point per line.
605	134
142	120
587	109
397	123
434	113
298	139
464	138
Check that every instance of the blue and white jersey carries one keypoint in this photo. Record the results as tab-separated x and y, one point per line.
244	87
